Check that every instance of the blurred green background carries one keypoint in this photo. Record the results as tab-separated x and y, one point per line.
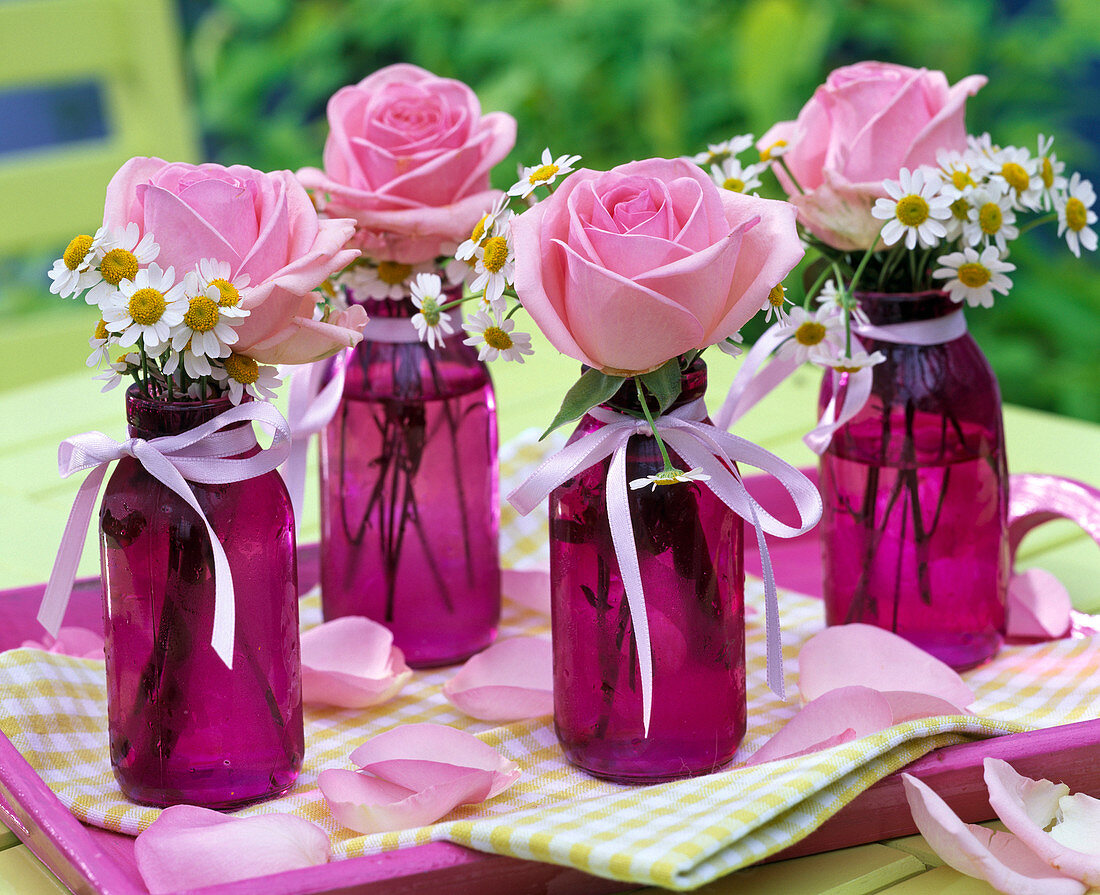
615	80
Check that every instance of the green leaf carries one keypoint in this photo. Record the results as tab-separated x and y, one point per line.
591	389
663	383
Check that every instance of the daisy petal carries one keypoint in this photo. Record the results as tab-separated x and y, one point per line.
512	680
351	662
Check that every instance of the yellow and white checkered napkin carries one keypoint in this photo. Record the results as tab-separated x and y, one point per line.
677	835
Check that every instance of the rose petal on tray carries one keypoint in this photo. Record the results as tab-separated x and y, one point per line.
1038	606
188	847
528	587
511	680
1001	859
70	641
351	662
417	756
863	655
908	706
1028	806
839	716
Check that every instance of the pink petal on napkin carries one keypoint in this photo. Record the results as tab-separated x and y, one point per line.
836	717
1001	859
70	641
528	587
1028	806
188	847
1038	606
908	706
863	655
368	804
351	662
418	756
511	680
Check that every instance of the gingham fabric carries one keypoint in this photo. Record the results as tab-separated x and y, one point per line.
677	835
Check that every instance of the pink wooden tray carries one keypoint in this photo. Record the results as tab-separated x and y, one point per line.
91	860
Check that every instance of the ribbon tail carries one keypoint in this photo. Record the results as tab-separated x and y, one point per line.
626	551
856	389
294	475
751	383
55	599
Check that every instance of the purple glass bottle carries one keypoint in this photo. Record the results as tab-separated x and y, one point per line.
183	727
410	514
690	551
916	494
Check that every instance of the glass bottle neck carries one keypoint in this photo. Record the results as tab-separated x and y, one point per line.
693	386
885	308
152	418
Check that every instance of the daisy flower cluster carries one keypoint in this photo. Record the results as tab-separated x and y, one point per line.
172	334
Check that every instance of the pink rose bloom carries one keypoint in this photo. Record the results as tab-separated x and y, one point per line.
627	269
408	157
263	225
861	127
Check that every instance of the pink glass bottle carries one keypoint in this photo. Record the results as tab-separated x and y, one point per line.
410	513
915	487
690	551
183	727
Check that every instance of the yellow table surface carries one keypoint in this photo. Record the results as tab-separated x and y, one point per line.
34	503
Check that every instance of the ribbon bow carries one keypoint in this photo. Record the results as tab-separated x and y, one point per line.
702	446
205	454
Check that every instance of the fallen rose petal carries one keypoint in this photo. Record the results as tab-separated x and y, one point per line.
511	680
188	847
908	706
369	804
351	662
1079	827
863	655
838	716
1038	606
528	587
1027	807
1001	859
417	756
70	641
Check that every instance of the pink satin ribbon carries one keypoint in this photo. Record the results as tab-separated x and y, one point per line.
704	447
754	380
1034	499
205	454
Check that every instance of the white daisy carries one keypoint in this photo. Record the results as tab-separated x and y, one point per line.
125	366
732	175
990	218
431	323
239	374
1075	214
775	150
468	248
810	331
98	343
543	175
194	365
774	302
74	271
496	264
973	277
843	362
981	146
495	337
1020	173
148	307
1050	173
832	300
669	477
916	209
215	280
207	326
717	153
124	252
958	169
731	345
384	279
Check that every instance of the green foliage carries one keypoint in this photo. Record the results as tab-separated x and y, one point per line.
591	389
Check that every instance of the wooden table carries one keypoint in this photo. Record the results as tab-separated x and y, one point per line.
34	503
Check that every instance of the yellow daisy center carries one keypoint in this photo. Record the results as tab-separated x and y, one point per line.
974	275
843	369
242	368
766	153
809	333
496	253
393	274
543	173
990	218
229	293
479	229
146	306
1016	176
77	251
668	478
912	210
736	184
497	338
202	314
960	208
961	178
1077	216
777	295
118	265
101	331
1047	173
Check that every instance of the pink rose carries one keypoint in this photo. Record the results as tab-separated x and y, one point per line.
408	157
862	126
626	269
263	225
